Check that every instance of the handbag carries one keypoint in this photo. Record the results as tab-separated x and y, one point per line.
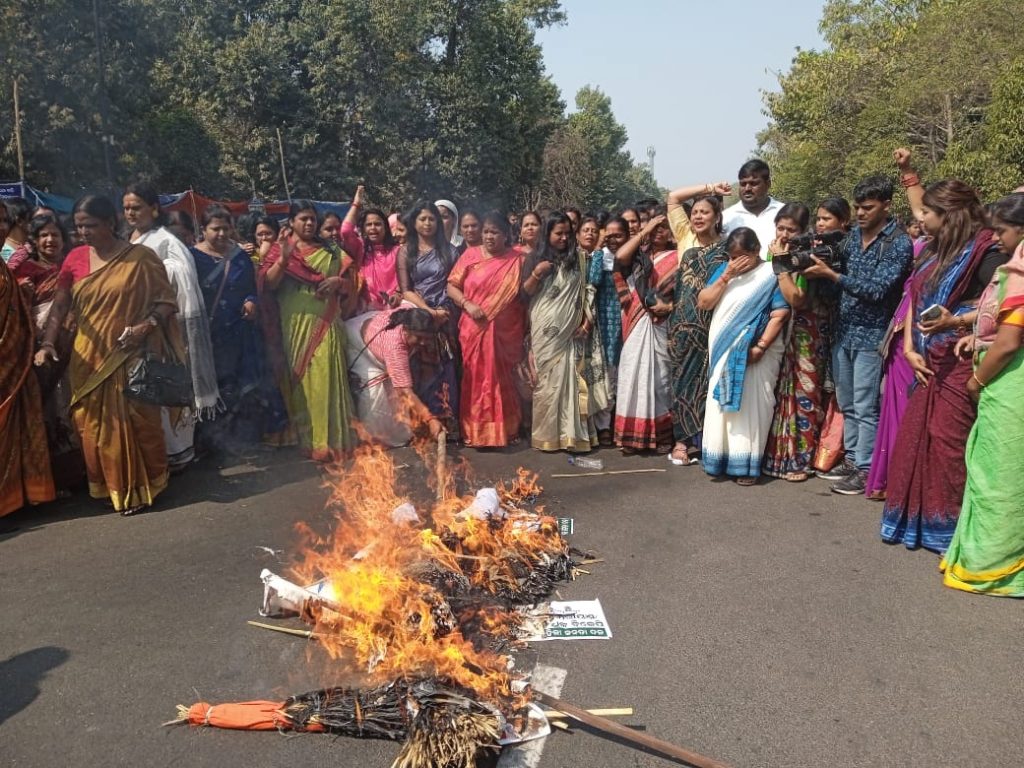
163	380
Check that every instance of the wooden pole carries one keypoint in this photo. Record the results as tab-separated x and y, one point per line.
284	172
17	138
441	464
627	734
609	472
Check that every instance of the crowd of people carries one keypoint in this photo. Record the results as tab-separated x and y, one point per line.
765	338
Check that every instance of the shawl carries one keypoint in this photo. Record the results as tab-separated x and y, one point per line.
181	271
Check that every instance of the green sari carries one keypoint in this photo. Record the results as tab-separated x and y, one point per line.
986	553
315	384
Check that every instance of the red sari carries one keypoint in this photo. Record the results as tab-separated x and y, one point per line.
490	411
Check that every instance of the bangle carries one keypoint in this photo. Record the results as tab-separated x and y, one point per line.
980	383
48	345
708	189
761	345
910	179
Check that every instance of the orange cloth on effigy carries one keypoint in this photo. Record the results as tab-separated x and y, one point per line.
122	439
243	716
25	475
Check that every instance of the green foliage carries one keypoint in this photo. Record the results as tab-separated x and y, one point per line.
586	163
942	77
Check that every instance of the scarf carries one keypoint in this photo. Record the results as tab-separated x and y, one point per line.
181	271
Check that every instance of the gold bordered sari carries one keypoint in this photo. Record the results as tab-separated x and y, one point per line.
122	439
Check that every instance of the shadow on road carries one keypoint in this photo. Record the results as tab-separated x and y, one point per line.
20	676
222	479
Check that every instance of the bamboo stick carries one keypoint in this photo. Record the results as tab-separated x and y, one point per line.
612	712
17	139
609	472
284	173
286	630
626	734
442	460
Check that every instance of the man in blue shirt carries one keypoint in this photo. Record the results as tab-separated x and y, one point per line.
876	258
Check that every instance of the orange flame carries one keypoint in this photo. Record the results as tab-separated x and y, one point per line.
382	611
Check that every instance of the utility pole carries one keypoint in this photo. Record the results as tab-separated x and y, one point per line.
101	81
17	138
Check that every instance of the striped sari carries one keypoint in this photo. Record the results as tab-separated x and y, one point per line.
24	460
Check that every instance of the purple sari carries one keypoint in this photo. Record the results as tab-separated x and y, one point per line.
898	377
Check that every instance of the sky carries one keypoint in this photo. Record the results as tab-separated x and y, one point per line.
684	76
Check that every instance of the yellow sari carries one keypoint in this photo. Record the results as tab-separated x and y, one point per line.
25	475
122	439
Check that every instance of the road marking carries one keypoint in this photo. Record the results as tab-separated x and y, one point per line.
548	680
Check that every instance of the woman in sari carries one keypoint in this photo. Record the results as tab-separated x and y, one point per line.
642	420
698	240
142	213
554	283
986	553
367	238
471	229
25	477
745	352
123	304
227	279
380	345
424	264
608	313
799	396
36	269
300	283
926	469
529	232
484	284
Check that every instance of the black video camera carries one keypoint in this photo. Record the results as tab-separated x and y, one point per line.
804	248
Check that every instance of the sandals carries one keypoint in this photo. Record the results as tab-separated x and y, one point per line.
604	438
133	510
747	481
795	477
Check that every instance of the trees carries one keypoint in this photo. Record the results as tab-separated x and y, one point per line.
937	75
586	163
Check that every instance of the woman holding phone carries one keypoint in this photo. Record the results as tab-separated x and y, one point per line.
927	470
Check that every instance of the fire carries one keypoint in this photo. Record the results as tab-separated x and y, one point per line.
428	592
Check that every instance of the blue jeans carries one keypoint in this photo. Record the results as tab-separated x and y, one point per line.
858	376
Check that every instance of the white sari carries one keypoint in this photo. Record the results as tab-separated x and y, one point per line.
737	424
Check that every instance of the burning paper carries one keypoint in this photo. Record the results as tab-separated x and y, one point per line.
566	620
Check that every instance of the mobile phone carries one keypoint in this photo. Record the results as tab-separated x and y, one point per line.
934	312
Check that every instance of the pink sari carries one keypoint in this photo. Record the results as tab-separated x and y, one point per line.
490	411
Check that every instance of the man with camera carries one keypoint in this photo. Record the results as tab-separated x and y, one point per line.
874	262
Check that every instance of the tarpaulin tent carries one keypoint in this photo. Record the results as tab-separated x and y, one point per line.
191	202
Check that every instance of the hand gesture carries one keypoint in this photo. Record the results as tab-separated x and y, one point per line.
722	188
475	311
440	316
973	388
777	247
921	370
653	223
265	247
819	270
964	346
357	198
45	355
542	269
328	286
286	245
944	321
741	264
902	158
249	311
755	354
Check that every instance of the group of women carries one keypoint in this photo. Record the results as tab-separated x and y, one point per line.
653	331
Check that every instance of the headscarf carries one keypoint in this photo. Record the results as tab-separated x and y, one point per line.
456	237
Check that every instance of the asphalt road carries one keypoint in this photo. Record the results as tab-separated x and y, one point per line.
762	626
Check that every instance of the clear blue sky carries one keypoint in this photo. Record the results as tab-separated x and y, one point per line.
684	76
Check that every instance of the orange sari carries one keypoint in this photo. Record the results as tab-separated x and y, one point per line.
490	412
24	460
122	439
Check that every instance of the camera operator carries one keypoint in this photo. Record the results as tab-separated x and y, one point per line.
874	262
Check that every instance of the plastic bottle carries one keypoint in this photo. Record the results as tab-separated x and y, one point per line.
586	462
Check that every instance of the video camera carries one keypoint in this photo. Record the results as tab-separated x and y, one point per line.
803	249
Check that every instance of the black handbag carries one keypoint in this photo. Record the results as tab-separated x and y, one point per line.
160	380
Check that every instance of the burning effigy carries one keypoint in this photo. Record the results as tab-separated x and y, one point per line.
423	600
